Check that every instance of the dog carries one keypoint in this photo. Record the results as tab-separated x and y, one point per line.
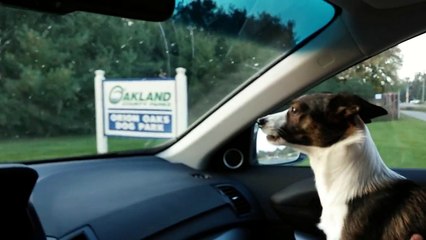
361	197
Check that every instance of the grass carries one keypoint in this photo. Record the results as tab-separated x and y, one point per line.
60	147
401	143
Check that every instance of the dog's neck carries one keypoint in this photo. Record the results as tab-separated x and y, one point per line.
349	168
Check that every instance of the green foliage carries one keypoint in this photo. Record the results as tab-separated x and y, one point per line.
380	71
416	88
375	75
354	85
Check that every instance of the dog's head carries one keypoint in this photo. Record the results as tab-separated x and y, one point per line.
320	119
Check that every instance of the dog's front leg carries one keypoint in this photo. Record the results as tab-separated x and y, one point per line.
332	220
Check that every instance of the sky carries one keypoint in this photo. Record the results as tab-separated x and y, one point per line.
414	54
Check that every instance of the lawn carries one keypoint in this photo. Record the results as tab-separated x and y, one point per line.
60	147
401	143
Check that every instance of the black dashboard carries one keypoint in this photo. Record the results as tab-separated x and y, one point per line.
150	198
137	198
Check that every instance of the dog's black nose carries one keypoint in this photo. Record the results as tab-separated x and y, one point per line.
261	122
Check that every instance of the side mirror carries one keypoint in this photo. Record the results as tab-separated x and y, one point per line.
268	154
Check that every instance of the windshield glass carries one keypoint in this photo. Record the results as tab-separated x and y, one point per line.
152	80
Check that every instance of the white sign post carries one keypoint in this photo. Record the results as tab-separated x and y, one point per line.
182	102
145	108
101	139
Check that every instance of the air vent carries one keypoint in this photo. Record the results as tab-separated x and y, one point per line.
81	236
238	201
201	176
84	233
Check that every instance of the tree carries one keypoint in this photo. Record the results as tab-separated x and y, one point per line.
416	87
380	71
375	75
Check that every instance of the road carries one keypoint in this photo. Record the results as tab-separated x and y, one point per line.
415	114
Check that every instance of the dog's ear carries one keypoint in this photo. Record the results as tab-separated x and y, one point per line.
348	105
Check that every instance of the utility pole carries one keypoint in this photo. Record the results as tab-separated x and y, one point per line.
407	93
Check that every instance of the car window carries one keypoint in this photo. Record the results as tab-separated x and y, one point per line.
49	63
394	79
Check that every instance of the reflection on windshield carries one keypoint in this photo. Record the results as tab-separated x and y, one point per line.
230	41
47	64
284	12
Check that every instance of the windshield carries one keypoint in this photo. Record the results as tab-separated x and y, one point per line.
152	80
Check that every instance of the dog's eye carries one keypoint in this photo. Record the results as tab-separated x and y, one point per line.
293	110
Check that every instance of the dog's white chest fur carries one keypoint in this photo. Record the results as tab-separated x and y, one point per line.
347	169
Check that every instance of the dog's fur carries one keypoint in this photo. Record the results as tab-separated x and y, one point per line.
361	197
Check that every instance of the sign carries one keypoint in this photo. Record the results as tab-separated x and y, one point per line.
140	107
146	108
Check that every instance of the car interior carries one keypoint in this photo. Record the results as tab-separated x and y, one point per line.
208	182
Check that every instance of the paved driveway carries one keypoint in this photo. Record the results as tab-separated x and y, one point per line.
415	114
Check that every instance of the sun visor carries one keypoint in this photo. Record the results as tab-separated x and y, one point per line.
135	9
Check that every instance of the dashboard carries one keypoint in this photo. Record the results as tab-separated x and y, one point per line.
134	198
151	198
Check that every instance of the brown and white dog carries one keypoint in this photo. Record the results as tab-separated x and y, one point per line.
361	197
